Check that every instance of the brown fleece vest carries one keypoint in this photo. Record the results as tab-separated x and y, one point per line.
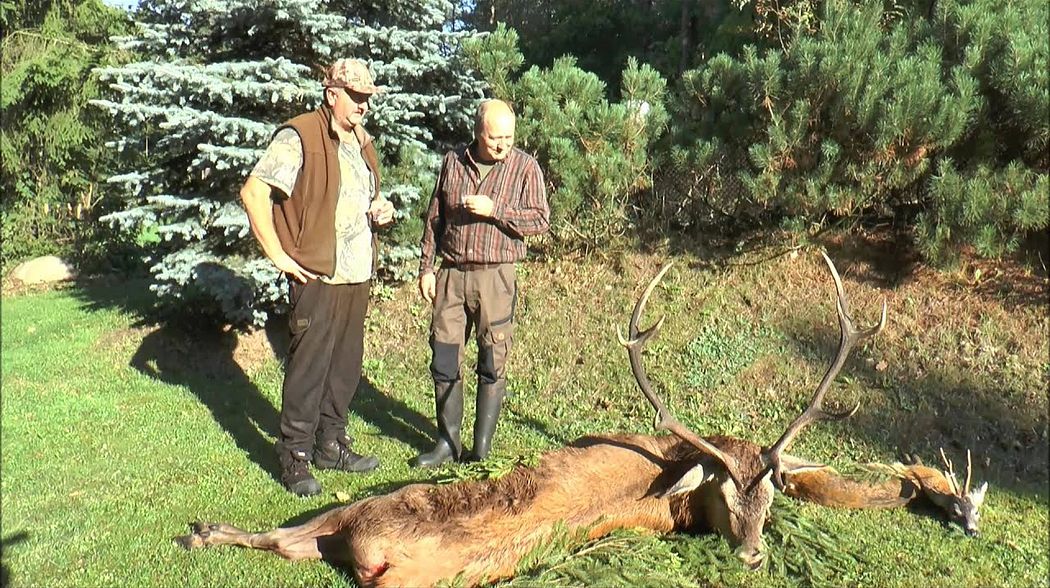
305	221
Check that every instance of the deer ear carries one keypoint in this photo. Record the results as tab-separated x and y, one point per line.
977	496
689	482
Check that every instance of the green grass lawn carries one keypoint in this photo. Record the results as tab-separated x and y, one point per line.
115	434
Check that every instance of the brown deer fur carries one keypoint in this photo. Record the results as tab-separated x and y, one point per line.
907	484
479	530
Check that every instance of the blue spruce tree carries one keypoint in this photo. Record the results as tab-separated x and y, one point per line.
217	76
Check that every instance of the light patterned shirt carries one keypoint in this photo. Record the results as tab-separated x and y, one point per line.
280	167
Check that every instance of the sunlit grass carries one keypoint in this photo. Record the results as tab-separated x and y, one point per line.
116	435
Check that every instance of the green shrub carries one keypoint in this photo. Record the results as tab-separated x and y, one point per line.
991	210
52	154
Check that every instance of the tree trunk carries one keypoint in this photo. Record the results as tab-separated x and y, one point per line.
685	35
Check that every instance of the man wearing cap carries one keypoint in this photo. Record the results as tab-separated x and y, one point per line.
313	201
488	198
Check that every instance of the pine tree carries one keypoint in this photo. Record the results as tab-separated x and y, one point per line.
216	78
839	123
595	153
995	189
933	114
51	158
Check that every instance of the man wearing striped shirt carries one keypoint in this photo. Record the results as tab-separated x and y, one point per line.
489	196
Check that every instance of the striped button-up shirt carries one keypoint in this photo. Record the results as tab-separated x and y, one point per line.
519	198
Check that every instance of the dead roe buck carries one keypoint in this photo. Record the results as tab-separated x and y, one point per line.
908	483
478	531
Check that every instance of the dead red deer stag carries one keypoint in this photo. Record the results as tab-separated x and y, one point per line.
478	531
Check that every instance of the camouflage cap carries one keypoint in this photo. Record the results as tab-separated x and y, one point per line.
352	74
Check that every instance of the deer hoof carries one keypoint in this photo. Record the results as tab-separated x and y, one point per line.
189	541
911	459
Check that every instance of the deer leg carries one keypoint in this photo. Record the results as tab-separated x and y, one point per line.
301	542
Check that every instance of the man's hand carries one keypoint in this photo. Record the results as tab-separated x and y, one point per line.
289	266
479	205
428	286
381	212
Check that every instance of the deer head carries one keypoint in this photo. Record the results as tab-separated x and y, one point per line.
736	479
963	506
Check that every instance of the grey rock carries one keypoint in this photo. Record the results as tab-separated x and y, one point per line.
42	270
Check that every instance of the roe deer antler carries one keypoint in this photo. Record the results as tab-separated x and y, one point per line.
664	419
949	474
969	471
849	336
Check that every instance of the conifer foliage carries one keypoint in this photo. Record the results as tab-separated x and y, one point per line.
927	112
51	157
595	153
216	77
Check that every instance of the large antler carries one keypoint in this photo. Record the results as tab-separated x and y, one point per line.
849	337
664	419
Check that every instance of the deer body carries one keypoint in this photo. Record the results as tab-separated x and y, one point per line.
479	530
907	484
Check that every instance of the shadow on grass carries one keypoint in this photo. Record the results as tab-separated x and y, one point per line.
941	408
197	358
393	417
202	361
1014	282
130	295
5	545
881	257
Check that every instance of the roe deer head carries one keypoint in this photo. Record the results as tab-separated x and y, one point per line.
962	505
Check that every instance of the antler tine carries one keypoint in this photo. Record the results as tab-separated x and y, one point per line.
969	471
664	419
849	336
952	480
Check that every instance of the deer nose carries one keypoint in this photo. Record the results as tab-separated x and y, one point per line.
973	532
752	557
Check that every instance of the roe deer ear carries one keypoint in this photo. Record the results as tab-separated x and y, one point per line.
797	465
689	482
977	496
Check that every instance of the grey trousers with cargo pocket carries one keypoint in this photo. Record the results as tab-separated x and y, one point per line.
478	298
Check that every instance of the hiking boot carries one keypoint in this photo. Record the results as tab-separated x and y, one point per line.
336	455
295	473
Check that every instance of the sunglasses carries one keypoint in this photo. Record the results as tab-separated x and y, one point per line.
358	97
